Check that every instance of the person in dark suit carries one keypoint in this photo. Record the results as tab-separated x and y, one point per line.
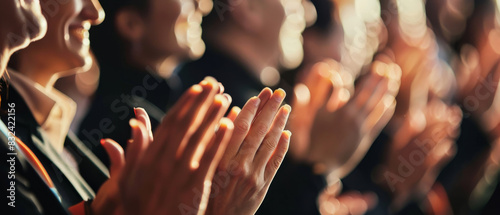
188	145
30	188
241	50
52	172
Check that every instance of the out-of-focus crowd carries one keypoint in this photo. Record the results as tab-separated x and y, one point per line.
189	106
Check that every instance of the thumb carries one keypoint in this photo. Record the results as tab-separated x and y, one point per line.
116	156
142	116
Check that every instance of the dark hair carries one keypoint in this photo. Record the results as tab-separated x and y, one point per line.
106	43
324	16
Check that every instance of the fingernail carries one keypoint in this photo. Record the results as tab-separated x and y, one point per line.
196	88
219	99
103	141
288	109
288	134
256	101
228	97
280	95
221	88
133	123
236	110
135	111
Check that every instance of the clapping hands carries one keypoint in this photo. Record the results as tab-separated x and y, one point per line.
334	132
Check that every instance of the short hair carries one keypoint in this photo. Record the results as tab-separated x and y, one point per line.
324	16
106	43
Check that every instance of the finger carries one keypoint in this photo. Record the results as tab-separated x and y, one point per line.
142	116
209	162
199	140
380	116
235	111
365	89
260	127
242	125
116	156
323	87
215	150
264	95
164	129
355	203
376	97
183	126
136	147
270	142
386	56
221	88
199	108
277	158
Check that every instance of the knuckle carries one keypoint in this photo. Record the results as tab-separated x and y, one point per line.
238	170
242	126
268	144
276	163
261	129
252	182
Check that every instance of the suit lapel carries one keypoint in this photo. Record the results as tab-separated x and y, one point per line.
31	133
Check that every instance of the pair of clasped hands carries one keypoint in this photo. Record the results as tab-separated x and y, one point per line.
198	161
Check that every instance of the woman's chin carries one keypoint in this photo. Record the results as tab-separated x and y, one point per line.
39	31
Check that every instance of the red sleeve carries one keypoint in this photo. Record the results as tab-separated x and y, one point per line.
79	209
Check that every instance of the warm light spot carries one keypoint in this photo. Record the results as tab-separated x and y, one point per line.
269	76
388	100
302	94
291	34
494	39
497	2
412	19
310	13
205	6
344	95
368	10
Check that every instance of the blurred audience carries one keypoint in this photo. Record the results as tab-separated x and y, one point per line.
396	106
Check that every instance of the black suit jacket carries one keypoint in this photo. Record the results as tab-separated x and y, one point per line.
33	194
121	88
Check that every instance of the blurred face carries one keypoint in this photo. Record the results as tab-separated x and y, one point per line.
20	22
66	45
172	27
273	15
159	32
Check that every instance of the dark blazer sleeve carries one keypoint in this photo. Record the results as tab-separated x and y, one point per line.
32	195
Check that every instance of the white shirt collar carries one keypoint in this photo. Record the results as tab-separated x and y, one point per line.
53	110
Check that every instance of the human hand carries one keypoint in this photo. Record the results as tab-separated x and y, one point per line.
416	156
331	202
478	75
172	174
256	149
340	133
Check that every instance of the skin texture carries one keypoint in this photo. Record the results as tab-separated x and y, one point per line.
173	172
65	48
253	156
22	22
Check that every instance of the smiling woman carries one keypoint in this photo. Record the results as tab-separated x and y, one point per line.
43	114
20	22
66	45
